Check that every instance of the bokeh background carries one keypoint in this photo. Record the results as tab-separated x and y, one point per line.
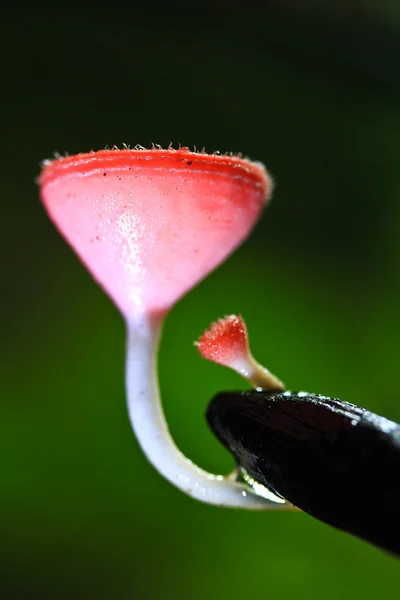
312	89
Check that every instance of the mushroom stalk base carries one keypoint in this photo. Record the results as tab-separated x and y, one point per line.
149	424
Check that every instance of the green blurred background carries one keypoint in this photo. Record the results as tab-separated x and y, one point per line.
312	89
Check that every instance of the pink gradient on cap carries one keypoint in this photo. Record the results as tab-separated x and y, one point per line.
225	341
150	224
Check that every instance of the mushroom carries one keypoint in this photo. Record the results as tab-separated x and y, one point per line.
226	342
149	225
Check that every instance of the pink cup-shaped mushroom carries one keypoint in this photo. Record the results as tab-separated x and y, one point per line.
149	225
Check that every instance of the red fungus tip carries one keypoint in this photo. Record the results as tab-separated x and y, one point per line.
225	341
150	224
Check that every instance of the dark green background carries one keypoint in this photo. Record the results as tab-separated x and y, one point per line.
311	89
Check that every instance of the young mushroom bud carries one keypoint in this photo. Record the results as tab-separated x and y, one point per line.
226	342
149	225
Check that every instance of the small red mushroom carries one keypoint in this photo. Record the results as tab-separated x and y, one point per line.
149	225
226	342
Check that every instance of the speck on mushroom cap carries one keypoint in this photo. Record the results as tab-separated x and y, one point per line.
150	224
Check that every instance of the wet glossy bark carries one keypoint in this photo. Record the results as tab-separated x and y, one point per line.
338	462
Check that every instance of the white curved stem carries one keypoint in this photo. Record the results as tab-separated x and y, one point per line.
148	422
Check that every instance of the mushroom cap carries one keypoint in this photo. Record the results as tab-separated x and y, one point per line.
150	224
225	341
